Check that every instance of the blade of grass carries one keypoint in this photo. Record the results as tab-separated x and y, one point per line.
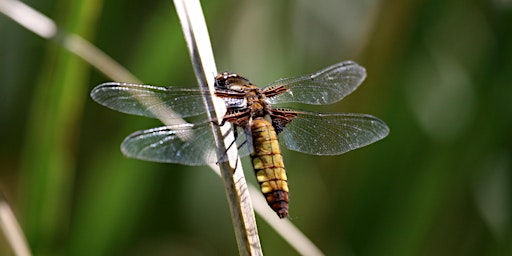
12	230
198	42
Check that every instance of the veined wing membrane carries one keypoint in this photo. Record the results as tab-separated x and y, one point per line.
188	144
150	101
326	86
332	134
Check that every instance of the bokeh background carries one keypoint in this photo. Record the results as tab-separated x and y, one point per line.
439	73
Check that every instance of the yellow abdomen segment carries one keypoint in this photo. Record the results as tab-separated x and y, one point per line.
268	166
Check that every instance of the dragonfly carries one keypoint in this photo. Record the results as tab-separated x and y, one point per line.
260	122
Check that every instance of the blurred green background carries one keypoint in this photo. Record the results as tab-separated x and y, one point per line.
439	73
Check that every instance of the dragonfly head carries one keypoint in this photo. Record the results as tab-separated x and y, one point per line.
231	81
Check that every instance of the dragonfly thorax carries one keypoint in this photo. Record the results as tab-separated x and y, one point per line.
244	101
257	102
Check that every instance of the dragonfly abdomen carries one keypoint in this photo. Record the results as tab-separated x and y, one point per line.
268	166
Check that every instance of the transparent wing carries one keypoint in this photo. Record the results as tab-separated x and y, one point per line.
326	86
188	144
148	100
332	134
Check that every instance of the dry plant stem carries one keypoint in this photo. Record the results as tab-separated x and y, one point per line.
12	230
46	28
198	42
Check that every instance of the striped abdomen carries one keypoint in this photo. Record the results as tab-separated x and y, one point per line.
268	166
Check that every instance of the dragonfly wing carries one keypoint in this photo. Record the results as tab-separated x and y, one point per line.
188	144
326	86
332	134
150	101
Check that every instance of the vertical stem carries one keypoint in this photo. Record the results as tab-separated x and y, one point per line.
198	42
12	230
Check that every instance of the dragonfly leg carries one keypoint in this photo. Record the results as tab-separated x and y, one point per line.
224	156
216	122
